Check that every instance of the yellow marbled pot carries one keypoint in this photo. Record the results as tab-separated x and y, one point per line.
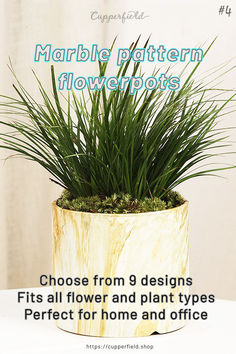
118	245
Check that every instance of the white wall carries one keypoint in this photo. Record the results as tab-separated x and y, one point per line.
26	233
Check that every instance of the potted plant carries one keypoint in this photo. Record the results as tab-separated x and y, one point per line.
119	222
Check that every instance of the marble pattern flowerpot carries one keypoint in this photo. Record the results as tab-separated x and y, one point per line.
118	245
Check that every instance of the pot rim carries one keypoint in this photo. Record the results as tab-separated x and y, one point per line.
185	204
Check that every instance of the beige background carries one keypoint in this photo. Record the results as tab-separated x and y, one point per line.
26	193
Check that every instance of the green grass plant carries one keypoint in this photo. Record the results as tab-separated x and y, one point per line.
111	142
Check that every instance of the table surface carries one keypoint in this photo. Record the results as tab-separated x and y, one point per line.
214	335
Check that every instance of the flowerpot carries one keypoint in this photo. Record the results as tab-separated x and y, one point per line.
115	247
